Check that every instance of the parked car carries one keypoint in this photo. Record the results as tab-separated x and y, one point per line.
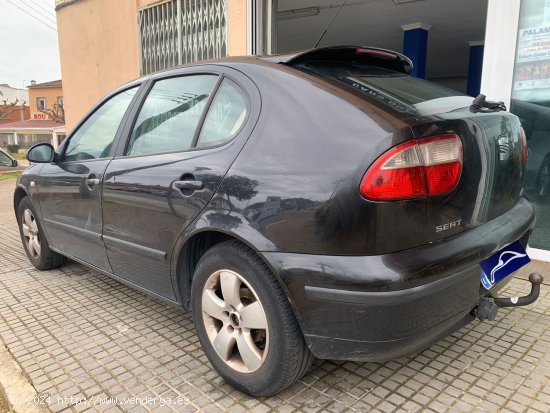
7	162
322	204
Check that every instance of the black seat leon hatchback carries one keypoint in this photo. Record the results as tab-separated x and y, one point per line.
321	204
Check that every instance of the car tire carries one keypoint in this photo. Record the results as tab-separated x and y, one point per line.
34	239
230	321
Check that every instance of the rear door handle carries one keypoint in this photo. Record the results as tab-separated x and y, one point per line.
188	185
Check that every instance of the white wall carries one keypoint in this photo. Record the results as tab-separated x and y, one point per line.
11	94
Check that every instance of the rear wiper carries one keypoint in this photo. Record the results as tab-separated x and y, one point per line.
481	105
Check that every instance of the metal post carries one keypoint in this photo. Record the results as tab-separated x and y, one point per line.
178	25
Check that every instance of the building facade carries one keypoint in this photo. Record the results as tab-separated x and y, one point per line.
46	100
99	41
44	121
498	47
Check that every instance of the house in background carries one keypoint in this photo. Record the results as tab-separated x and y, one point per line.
46	121
45	99
14	104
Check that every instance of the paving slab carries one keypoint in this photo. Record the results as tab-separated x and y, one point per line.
85	342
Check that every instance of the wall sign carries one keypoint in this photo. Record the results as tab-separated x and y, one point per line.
41	116
533	58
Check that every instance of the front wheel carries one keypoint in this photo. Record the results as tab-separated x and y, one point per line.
245	323
34	240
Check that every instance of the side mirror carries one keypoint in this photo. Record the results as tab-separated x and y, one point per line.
14	163
41	153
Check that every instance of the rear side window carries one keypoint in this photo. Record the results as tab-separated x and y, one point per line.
170	115
397	90
225	117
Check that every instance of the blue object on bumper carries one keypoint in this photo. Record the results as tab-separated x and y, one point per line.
503	263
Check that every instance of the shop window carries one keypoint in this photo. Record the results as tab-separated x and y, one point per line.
25	141
531	103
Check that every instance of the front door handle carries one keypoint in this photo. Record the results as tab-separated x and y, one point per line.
194	185
91	183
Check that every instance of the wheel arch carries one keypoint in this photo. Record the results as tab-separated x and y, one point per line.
194	247
192	250
18	195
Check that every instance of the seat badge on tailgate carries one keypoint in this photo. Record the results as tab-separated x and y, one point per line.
503	263
448	225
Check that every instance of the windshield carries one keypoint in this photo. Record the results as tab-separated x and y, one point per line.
394	89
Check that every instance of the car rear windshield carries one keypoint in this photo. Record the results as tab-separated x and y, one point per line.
397	90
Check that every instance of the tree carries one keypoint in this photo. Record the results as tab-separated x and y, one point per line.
56	113
239	187
7	108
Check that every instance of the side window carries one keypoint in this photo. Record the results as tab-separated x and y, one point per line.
170	115
94	138
41	103
225	116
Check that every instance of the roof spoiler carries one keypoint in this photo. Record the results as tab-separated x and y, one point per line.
374	56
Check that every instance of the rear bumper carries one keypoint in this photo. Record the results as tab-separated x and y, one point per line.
387	306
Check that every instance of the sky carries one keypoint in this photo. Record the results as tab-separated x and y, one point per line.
28	49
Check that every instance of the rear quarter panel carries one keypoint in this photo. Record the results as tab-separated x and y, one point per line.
295	185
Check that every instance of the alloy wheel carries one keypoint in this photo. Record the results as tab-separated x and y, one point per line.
235	321
31	233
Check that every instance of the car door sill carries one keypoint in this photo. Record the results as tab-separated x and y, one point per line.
150	293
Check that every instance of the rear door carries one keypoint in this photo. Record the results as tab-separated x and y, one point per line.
185	136
70	191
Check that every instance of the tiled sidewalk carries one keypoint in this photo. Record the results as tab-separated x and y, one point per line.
76	332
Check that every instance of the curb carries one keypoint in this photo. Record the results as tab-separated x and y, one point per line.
15	388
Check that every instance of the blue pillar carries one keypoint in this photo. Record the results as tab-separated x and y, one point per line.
415	46
475	66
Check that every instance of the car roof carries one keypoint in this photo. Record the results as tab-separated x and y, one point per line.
373	56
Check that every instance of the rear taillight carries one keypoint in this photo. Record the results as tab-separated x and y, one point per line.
414	169
524	150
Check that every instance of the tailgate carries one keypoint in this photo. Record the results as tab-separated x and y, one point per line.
492	173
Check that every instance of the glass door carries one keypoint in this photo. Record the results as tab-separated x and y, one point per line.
531	103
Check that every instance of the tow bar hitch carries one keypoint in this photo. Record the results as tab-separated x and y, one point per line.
488	306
